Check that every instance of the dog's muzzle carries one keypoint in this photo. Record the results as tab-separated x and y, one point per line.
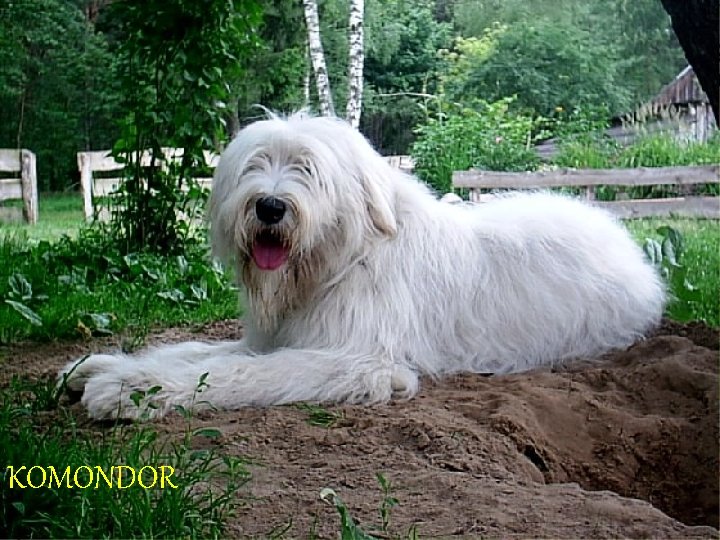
270	249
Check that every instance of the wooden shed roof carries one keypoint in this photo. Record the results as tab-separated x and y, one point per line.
685	88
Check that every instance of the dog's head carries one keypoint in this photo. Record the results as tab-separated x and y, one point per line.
297	193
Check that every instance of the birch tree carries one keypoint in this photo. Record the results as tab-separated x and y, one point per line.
317	58
356	62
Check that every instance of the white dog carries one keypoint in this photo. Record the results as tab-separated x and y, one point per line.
358	281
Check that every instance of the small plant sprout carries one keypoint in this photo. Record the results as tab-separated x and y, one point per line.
319	416
348	529
387	503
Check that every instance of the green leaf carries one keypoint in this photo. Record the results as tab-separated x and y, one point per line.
182	265
26	312
201	381
210	433
101	321
653	250
20	287
668	251
174	295
137	396
154	390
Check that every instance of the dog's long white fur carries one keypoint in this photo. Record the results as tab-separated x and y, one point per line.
385	283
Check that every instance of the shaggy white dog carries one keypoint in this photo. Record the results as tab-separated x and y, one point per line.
358	281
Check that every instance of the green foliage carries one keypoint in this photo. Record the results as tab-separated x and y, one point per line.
279	88
645	52
403	40
593	151
34	430
74	73
57	92
174	63
581	122
401	64
489	137
85	286
667	255
547	63
688	254
664	150
651	53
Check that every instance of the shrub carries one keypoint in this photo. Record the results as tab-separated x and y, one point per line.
490	137
88	286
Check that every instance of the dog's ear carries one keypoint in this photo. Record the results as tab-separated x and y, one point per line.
380	202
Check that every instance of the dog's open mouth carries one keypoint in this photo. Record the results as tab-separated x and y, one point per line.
269	251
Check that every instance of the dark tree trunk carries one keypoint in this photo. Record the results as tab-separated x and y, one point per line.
696	25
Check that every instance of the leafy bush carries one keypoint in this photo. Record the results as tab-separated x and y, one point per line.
490	137
173	70
88	286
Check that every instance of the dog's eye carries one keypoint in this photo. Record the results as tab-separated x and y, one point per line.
305	168
259	162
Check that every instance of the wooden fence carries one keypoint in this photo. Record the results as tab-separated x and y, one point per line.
691	206
404	163
102	161
25	187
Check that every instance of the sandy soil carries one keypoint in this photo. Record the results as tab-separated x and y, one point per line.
622	447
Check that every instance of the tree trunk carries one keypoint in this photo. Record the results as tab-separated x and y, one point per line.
306	80
357	59
317	58
695	23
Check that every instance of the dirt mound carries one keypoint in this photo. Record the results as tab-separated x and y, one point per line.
609	448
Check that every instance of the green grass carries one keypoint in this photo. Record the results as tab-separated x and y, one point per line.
701	258
35	430
58	214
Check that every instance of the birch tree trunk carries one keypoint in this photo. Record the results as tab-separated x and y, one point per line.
356	62
306	80
317	58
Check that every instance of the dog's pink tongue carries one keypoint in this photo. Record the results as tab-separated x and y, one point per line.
269	256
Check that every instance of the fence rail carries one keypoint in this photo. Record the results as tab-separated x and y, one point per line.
25	187
692	206
102	161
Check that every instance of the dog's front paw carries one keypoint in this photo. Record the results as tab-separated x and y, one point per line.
76	374
133	396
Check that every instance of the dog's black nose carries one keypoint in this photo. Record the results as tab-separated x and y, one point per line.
270	210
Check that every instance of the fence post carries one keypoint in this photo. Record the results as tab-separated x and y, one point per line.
84	164
28	181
